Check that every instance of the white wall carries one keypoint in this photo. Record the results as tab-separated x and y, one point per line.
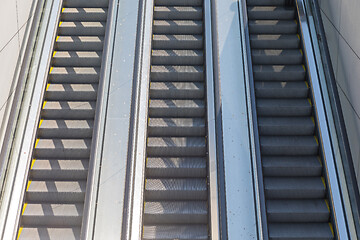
341	20
14	17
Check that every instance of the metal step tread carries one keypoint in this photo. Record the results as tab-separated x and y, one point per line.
291	166
189	189
56	233
271	12
167	167
74	75
177	12
314	231
294	187
84	14
288	211
180	232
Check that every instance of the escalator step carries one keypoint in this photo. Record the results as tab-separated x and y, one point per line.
71	92
66	129
175	167
177	57
76	59
39	233
296	211
176	212
177	90
82	28
281	89
178	12
57	192
279	73
84	14
176	146
276	56
59	169
176	127
272	27
177	42
289	145
74	75
283	107
175	189
271	12
276	41
179	232
291	166
294	188
52	215
314	231
79	43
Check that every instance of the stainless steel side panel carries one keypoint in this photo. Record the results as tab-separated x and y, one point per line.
237	151
111	186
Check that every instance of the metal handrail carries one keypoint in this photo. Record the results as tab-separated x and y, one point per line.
87	226
336	203
262	225
339	122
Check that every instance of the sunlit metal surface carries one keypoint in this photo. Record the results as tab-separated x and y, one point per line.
211	138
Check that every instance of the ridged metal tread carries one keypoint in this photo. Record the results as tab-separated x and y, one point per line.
295	190
175	192
55	192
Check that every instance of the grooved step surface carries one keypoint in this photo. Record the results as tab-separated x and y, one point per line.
291	159
56	188
175	195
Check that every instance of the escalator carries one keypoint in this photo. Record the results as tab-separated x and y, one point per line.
176	190
295	189
54	196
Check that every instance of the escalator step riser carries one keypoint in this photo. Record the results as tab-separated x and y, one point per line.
274	41
82	29
271	13
272	27
86	3
177	42
84	14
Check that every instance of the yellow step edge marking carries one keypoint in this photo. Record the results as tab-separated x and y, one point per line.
60	23
32	163
331	228
44	104
298	36
316	139
295	21
37	141
47	86
28	185
51	69
303	67
327	204
62	10
309	100
319	160
313	120
19	233
54	53
301	52
307	85
57	38
323	180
